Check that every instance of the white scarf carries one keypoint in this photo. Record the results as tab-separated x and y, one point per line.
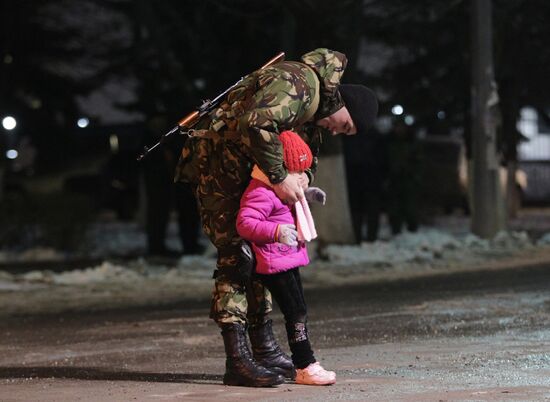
304	219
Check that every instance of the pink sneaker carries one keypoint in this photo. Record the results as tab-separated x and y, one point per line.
314	374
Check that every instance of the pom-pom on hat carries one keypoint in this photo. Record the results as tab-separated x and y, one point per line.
296	153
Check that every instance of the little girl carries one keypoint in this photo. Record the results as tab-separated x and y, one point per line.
277	233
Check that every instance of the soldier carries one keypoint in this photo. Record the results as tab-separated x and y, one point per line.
300	96
162	195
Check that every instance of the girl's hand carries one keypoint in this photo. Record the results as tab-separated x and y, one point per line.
287	234
315	194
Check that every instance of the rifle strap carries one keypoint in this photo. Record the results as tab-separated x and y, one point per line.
214	135
235	135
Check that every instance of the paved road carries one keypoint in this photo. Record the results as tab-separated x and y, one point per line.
476	336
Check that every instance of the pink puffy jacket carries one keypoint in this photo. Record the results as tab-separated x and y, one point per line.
261	211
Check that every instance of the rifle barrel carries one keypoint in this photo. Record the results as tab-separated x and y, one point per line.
146	150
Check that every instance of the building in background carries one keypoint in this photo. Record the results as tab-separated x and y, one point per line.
534	156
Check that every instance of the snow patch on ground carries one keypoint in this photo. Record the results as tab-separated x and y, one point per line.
427	245
544	240
140	282
104	272
139	270
424	247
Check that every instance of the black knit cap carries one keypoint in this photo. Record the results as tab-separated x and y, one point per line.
361	103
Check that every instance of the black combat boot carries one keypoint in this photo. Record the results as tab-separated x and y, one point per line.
240	367
267	352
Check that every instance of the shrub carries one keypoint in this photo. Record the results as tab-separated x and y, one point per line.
57	220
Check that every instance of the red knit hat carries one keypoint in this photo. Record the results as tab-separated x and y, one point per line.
296	153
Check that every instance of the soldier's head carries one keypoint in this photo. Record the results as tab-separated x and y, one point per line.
329	67
343	109
358	113
340	122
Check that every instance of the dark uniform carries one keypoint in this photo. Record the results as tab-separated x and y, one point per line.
161	195
366	165
404	178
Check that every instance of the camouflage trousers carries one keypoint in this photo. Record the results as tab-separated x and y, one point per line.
224	174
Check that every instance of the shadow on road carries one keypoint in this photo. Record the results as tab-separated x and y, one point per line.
96	374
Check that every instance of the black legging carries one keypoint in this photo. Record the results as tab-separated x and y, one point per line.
286	288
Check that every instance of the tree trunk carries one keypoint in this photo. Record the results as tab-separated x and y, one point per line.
488	207
333	220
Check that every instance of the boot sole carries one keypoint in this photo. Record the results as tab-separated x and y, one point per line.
288	374
237	381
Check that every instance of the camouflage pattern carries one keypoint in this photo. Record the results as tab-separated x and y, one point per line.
284	94
260	302
266	103
329	66
234	303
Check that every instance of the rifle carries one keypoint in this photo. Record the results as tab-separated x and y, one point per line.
206	107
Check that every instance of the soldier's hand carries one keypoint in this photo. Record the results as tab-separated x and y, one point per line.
304	181
287	234
290	189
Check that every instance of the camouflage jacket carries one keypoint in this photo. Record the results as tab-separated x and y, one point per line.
275	99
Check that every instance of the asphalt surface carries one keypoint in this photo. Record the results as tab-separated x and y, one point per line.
464	337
